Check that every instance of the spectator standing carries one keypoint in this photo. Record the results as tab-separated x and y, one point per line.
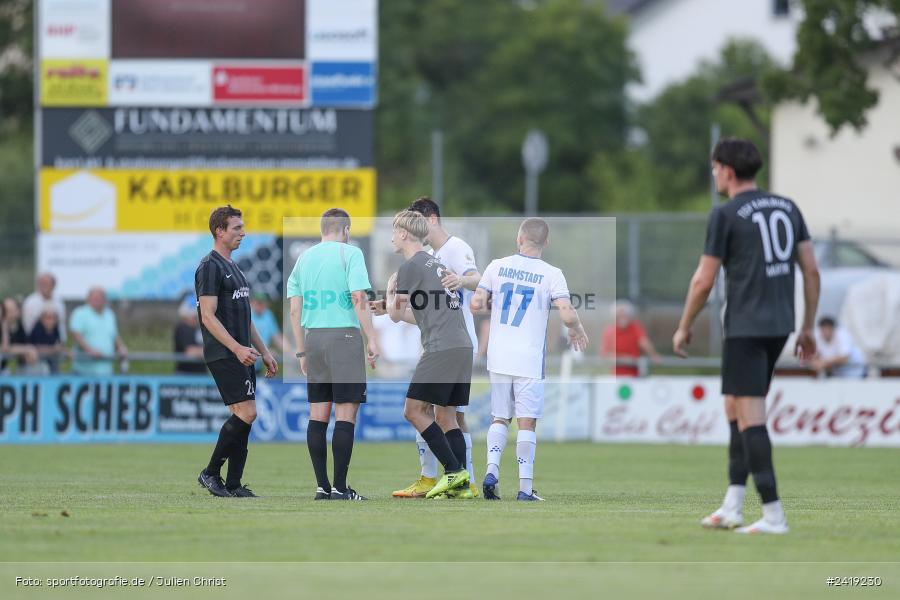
95	334
836	353
189	339
13	341
626	338
46	337
36	302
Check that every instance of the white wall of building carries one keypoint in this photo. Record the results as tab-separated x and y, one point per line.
850	182
671	37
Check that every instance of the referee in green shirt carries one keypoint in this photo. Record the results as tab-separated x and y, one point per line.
329	304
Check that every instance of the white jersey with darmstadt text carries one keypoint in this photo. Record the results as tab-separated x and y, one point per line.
458	256
522	289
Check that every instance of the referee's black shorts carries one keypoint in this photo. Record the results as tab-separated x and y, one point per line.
236	381
748	364
335	365
443	378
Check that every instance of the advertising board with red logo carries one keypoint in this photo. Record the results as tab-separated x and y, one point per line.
801	411
260	84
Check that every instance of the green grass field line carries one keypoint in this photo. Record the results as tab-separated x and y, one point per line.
605	503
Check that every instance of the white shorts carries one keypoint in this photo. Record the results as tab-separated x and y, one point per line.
516	396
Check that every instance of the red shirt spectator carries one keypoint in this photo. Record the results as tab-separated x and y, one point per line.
626	338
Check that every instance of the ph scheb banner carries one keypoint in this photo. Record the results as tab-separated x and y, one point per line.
72	409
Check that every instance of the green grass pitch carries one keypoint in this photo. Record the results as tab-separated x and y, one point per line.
616	514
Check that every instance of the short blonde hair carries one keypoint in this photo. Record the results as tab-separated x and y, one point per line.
413	222
535	231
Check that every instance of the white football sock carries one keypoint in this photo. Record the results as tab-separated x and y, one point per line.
496	442
773	512
469	466
734	498
526	444
426	458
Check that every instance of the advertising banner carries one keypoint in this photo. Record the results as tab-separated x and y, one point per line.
73	82
160	83
149	266
801	412
346	30
201	138
207	29
161	409
260	84
180	201
74	28
343	84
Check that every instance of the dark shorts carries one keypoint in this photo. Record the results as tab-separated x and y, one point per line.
335	365
443	378
236	382
748	364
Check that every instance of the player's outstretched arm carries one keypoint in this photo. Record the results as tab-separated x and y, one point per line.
698	291
578	338
258	343
208	306
806	258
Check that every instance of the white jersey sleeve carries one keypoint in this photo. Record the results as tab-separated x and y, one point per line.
558	286
489	277
458	256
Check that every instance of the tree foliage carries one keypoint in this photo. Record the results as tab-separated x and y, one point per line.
669	168
485	73
832	41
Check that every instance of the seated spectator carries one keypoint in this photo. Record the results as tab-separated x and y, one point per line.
14	342
626	339
188	338
95	334
836	353
46	337
266	325
36	302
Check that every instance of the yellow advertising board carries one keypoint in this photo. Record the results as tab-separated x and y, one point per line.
66	82
113	200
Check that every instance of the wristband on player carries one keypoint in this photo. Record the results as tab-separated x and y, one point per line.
300	354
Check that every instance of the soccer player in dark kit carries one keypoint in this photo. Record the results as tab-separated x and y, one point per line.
224	309
443	376
757	237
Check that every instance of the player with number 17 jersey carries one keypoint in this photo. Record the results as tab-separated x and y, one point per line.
525	288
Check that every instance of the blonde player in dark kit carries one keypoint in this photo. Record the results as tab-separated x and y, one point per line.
757	237
223	296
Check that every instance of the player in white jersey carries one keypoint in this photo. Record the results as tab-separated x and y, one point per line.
522	288
458	257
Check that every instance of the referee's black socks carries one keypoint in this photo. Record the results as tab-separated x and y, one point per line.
318	452
758	450
440	447
230	437
737	461
342	449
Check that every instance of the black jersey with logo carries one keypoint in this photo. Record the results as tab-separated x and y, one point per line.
222	278
437	310
756	235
